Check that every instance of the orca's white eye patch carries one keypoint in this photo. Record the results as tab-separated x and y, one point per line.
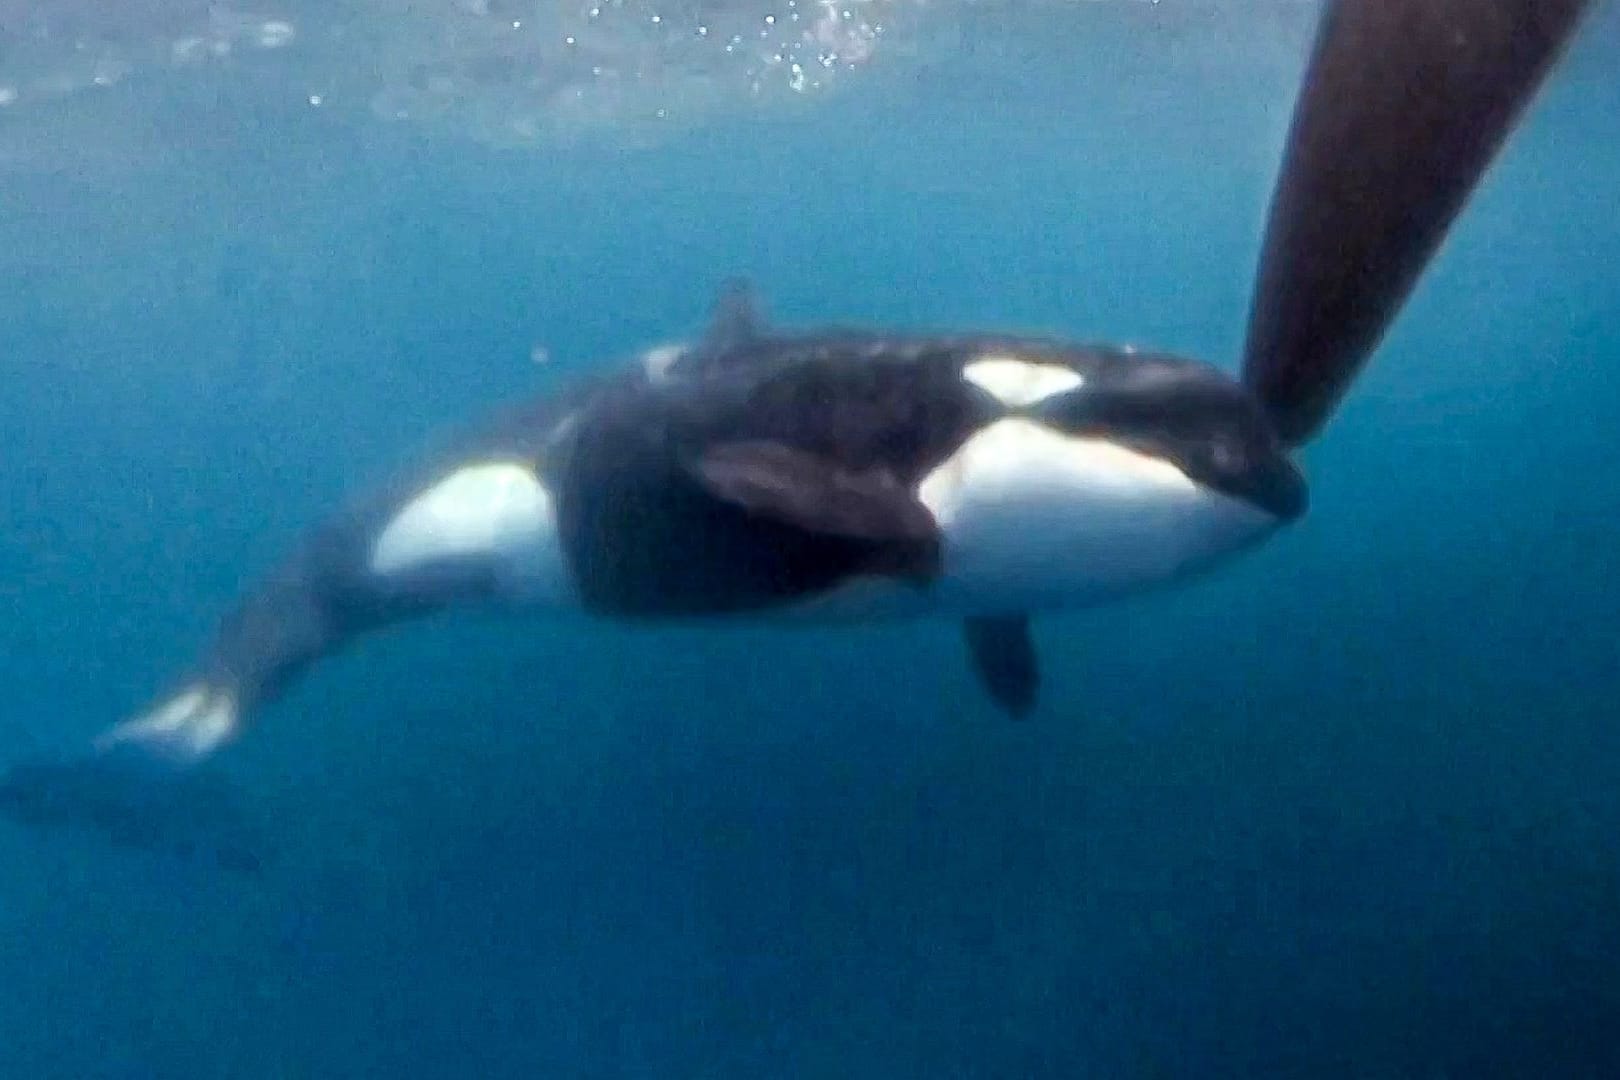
1018	383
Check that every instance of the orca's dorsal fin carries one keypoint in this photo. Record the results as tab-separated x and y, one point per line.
737	319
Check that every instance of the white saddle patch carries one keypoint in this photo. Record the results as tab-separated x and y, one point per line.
1033	518
1017	383
657	362
499	512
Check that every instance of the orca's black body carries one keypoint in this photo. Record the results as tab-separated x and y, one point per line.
864	474
781	466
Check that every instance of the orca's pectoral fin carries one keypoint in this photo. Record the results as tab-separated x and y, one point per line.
1404	105
796	488
1003	655
130	799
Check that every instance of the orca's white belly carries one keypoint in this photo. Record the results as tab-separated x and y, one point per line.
1033	519
494	514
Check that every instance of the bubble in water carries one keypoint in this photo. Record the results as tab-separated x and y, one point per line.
499	70
275	34
188	49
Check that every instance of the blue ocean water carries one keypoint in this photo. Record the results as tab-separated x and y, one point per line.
1348	808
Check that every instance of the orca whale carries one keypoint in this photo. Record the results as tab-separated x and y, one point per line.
856	474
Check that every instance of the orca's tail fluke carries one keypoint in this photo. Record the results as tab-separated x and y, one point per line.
180	731
135	790
152	780
149	781
1404	106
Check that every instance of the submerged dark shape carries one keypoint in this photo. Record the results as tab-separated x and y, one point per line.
843	474
1406	103
1003	655
195	815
